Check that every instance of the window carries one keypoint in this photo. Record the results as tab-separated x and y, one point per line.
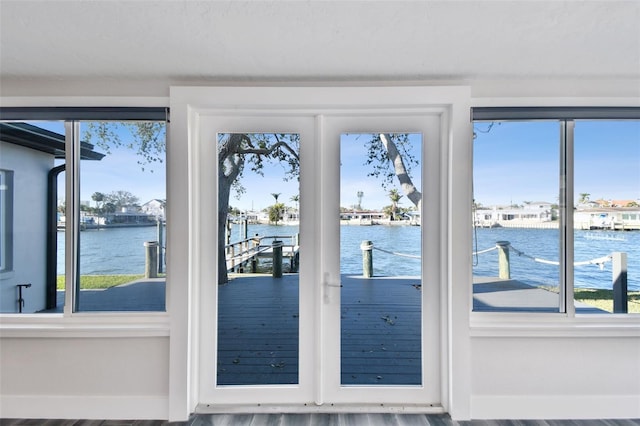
88	201
6	220
554	212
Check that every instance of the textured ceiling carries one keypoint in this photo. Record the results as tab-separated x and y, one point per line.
319	40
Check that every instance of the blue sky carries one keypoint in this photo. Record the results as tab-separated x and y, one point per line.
116	171
513	162
518	161
353	174
353	177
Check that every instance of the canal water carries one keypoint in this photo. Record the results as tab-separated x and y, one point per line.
121	251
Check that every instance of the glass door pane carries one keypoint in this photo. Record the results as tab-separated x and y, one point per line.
258	259
381	259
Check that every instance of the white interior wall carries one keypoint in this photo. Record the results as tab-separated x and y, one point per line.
89	377
531	377
535	374
29	227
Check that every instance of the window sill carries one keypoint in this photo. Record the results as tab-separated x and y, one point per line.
554	325
108	324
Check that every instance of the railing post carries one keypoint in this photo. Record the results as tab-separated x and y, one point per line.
619	277
245	229
254	259
151	259
504	269
277	258
367	258
232	247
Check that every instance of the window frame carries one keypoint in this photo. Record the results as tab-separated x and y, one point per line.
523	323
6	222
84	324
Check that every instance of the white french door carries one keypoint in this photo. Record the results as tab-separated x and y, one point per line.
380	335
324	335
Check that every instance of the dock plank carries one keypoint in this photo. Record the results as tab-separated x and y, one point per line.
258	331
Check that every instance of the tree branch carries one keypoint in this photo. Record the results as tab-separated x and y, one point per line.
400	170
267	151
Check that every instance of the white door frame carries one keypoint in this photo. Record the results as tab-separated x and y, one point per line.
427	122
318	104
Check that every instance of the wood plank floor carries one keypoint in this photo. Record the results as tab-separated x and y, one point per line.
380	331
317	419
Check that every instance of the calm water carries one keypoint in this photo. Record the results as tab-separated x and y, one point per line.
543	243
110	251
121	251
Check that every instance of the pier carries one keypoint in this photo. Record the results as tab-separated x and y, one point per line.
247	252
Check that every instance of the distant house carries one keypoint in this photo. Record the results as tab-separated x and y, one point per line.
613	218
615	203
28	180
154	207
361	217
539	211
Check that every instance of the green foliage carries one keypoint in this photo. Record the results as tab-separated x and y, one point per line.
146	138
121	198
275	212
378	158
237	152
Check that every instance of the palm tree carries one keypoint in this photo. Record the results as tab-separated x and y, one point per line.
394	196
584	198
360	194
296	199
276	210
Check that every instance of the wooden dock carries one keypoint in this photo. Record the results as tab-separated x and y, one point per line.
258	331
380	326
245	254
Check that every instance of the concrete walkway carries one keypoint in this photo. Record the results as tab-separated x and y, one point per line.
492	294
141	295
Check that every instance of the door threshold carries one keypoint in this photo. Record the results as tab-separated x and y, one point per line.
324	408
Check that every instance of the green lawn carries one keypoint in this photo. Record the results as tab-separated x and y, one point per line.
603	299
100	281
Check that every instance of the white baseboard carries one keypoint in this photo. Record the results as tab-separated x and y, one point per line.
555	407
84	407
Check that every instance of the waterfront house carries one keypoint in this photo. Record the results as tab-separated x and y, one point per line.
612	218
358	217
154	207
528	214
318	69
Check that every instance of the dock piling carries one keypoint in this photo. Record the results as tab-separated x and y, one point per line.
619	277
277	258
151	259
367	258
504	269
